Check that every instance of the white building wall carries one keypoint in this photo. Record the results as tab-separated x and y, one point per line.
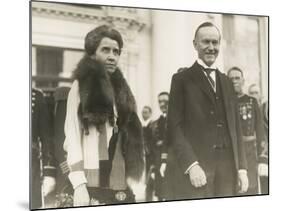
70	61
143	76
263	33
33	61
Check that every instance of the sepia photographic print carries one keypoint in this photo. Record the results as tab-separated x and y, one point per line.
133	105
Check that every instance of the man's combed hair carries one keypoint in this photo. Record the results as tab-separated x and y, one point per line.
94	37
236	69
205	24
163	93
148	108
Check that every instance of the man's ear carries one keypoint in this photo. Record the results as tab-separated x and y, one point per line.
195	44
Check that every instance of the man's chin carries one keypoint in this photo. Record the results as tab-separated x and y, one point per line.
210	62
237	89
110	69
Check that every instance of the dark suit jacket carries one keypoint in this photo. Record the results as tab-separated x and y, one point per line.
192	124
156	139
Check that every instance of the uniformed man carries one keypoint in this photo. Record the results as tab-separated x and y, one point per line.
42	163
252	130
158	147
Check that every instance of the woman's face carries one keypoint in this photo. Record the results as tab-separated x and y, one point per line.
108	53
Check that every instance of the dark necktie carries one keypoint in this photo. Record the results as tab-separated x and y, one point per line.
208	71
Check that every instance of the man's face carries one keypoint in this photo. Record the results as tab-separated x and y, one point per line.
108	53
237	80
207	44
254	91
163	101
146	114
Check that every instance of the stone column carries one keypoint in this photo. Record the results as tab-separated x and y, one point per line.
263	41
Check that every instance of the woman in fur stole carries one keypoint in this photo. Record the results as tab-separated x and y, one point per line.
104	140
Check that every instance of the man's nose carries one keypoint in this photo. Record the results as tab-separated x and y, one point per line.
235	80
112	56
211	46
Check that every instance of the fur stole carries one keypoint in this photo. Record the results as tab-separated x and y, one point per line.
99	91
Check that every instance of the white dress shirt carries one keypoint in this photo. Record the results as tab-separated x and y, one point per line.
212	74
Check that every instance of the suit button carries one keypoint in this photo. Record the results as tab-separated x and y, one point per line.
219	125
212	112
217	98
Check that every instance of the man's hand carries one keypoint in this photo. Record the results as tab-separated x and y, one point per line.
243	181
138	188
197	176
263	170
49	185
163	169
81	196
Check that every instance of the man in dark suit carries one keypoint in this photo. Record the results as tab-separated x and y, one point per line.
206	156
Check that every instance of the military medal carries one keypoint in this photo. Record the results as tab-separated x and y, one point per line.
249	106
244	112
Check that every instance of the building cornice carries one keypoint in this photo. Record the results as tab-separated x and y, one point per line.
127	18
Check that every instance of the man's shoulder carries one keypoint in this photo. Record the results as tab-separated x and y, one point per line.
249	98
225	78
37	91
37	94
61	93
223	75
154	123
184	71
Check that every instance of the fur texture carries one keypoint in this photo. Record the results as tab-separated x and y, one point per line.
99	91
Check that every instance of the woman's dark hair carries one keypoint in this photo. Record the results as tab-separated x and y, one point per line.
94	37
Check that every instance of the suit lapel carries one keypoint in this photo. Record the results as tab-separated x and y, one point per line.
224	89
200	79
226	101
